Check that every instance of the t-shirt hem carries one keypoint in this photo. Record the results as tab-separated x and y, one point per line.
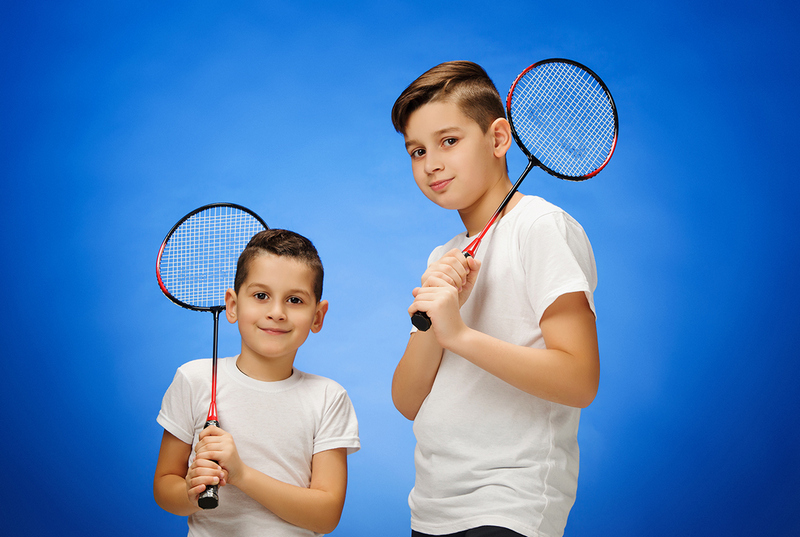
174	430
351	444
476	522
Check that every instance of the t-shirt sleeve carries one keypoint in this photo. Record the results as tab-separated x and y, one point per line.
174	415
339	427
558	259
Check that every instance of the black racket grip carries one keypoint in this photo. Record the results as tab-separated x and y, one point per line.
209	498
421	320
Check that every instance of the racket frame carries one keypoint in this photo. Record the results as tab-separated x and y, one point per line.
161	283
420	319
209	498
521	144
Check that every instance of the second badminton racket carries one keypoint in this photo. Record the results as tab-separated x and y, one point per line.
196	264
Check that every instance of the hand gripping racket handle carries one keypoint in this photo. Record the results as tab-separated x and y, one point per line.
420	319
209	498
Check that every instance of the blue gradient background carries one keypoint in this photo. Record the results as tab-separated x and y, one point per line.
117	118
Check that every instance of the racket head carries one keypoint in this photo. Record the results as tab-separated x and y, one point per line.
563	117
196	263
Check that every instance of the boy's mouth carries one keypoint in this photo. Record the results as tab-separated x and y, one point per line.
273	331
436	186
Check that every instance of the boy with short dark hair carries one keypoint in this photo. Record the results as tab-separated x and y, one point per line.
281	458
496	385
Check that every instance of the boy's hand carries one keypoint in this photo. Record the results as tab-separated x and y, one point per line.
455	269
446	286
440	300
215	444
202	473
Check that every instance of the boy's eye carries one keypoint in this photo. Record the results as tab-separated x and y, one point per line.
295	300
417	153
260	296
450	141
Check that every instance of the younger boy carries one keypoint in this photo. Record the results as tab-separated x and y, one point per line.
280	457
495	386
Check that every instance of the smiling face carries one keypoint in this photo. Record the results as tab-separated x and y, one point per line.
275	308
455	163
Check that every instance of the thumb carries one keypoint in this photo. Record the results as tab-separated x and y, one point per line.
474	269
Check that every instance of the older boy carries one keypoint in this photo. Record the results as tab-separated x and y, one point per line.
281	459
495	387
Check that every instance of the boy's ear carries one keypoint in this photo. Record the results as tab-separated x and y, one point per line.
319	316
230	305
501	133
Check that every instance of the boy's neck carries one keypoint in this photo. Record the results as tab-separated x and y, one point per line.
477	215
265	371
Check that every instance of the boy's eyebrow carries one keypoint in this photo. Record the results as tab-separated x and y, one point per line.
436	134
299	291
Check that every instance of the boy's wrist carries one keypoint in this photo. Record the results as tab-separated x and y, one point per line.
460	341
240	477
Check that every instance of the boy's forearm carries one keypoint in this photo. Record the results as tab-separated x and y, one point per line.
414	375
566	372
549	374
313	509
170	494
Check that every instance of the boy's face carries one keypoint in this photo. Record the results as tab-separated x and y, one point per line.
454	162
275	307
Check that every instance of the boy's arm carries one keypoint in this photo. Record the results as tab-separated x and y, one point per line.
566	372
414	375
171	485
317	508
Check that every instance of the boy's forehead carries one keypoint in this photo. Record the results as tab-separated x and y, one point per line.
268	268
437	116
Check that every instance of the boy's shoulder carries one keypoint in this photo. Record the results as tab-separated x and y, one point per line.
319	382
528	211
194	367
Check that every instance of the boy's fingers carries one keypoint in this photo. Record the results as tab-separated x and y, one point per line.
474	268
211	430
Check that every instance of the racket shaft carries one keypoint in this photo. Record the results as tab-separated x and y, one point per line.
209	498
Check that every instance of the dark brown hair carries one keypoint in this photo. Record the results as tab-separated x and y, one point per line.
464	83
283	243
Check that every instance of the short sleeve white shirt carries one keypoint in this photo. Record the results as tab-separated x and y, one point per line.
488	453
277	427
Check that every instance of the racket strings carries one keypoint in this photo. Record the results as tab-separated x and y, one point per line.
199	259
564	117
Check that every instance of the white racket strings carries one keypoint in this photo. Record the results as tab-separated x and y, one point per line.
564	117
198	263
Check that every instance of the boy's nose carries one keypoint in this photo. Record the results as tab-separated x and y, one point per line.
276	312
433	163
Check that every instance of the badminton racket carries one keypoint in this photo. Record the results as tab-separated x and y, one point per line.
565	121
196	264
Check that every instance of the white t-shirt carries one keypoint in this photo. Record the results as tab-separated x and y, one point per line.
488	453
277	427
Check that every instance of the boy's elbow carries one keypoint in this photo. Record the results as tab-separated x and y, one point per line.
328	519
405	409
587	399
401	402
327	526
588	393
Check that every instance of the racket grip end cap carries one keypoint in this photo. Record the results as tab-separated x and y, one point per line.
421	321
209	498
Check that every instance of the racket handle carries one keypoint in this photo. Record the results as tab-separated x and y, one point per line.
209	498
421	320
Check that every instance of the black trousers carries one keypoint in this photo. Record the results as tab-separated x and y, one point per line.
483	531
